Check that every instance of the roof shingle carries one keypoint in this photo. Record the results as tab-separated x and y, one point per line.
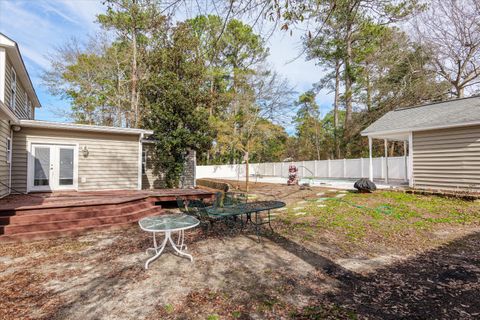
434	115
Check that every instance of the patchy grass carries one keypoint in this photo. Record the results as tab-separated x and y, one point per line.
385	216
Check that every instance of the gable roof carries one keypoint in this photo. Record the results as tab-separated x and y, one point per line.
13	52
451	113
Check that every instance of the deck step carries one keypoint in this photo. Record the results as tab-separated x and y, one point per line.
94	212
79	207
77	230
67	224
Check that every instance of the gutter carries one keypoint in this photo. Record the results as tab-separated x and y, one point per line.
81	127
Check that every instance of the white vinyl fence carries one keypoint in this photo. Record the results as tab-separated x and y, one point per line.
343	168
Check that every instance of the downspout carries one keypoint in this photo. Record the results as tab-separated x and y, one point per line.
10	163
140	147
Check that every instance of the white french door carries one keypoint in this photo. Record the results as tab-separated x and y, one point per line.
53	167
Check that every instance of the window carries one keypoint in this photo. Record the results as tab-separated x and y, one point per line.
13	89
9	150
144	161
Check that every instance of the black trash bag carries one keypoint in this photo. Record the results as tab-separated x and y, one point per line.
365	185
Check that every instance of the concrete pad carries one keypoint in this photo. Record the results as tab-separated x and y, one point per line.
340	195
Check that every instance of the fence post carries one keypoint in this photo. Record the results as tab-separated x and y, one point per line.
383	167
344	168
361	168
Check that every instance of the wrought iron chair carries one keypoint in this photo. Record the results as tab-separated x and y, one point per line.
208	215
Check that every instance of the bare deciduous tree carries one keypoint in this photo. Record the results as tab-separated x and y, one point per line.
451	29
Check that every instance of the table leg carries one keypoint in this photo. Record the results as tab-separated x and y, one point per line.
179	251
269	221
181	240
158	250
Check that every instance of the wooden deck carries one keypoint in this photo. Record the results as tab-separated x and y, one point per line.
88	198
47	215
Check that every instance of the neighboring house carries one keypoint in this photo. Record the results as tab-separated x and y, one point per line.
443	139
50	156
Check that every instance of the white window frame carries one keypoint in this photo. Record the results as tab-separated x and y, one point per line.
13	90
8	147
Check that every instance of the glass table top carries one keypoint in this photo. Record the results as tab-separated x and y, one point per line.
170	222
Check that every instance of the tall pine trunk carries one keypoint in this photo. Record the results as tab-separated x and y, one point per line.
133	93
369	88
335	108
348	79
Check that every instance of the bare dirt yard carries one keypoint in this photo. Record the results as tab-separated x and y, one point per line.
332	255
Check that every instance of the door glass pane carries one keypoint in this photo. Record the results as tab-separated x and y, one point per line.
66	167
42	166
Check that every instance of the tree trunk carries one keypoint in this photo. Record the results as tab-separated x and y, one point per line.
392	149
460	92
246	170
335	108
317	138
369	89
133	93
348	79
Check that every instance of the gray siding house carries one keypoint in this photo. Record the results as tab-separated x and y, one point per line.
43	156
443	141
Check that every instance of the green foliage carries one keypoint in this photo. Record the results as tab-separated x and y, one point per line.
176	98
241	93
270	142
308	127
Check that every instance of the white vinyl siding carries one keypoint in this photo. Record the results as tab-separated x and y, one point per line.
447	159
20	96
4	165
13	90
149	179
111	164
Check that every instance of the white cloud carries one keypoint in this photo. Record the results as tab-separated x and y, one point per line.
85	11
39	26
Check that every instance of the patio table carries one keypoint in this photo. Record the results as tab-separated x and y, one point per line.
168	224
257	207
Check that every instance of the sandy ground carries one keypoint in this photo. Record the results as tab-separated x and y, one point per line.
101	276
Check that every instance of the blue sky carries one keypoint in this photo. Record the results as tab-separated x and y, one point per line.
38	26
